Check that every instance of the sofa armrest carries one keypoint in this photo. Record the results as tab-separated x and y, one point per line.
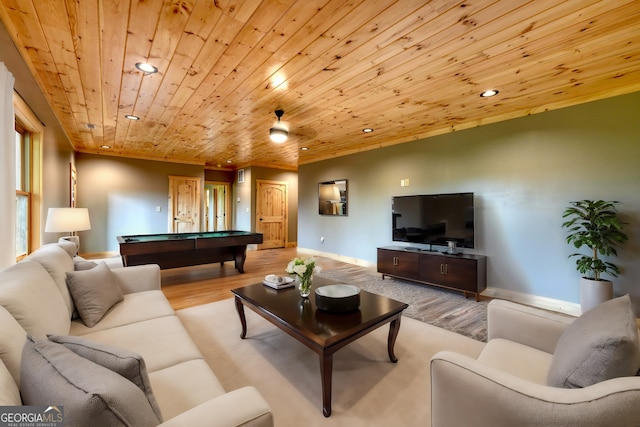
138	278
241	407
526	325
466	393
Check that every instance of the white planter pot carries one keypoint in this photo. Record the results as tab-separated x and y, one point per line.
594	292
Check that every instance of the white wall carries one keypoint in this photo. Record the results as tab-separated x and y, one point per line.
523	173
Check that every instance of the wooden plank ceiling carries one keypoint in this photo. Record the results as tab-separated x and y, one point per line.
408	69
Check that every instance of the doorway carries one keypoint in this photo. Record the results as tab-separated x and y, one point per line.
184	204
271	213
216	206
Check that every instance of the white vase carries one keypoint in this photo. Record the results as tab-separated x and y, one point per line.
594	292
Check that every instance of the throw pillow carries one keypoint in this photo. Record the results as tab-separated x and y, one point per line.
94	292
124	362
599	345
82	265
91	394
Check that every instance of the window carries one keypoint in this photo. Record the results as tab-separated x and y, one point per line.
28	139
23	190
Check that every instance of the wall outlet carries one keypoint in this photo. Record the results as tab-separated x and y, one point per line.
158	208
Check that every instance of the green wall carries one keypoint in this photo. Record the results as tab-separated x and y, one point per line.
57	151
123	196
523	173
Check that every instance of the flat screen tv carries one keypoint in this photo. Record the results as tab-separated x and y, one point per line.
434	219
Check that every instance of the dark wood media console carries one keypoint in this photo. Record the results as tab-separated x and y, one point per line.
463	272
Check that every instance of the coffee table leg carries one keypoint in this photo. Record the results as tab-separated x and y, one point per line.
326	372
394	328
243	320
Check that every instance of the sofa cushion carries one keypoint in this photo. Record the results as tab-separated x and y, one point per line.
29	294
517	359
91	394
599	345
94	292
134	308
123	362
9	392
12	338
57	262
162	342
183	386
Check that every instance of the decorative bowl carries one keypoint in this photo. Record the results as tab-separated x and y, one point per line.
338	298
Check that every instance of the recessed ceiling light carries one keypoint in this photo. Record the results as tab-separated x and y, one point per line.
146	68
489	93
304	148
105	146
131	117
228	161
367	130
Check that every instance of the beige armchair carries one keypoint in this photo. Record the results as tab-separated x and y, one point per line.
507	384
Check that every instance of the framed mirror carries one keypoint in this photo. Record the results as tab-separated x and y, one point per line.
332	197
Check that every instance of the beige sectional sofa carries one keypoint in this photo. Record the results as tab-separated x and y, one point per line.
173	382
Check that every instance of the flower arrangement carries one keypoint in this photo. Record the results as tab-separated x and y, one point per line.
304	268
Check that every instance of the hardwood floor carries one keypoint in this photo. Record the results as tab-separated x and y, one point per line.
190	286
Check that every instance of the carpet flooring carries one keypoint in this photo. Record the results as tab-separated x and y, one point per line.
368	390
437	306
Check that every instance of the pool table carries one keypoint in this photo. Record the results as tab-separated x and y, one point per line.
174	250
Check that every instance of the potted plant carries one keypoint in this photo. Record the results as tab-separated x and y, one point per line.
594	224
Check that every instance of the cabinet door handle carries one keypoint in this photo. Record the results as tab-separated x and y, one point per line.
444	269
395	260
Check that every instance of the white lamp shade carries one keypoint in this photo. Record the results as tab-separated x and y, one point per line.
67	220
278	134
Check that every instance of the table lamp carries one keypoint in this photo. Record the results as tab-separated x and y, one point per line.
68	220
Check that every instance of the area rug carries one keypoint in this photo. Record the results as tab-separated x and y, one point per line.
437	306
368	390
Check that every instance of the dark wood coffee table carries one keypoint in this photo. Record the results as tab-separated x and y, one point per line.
323	332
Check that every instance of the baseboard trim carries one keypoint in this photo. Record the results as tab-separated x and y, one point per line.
95	255
560	306
338	257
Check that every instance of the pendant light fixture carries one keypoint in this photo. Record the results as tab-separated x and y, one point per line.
279	133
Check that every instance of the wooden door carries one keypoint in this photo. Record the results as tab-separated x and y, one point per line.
216	206
184	204
271	213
